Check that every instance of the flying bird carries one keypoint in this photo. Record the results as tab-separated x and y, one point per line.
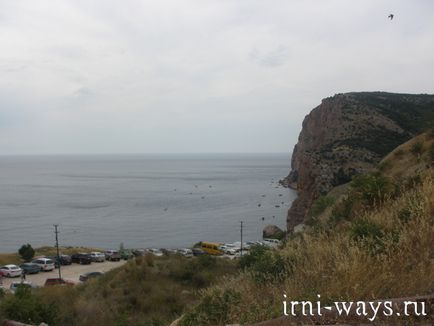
390	16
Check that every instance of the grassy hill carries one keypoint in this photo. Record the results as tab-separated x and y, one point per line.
369	239
147	291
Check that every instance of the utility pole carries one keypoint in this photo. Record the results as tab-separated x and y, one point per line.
57	247
241	231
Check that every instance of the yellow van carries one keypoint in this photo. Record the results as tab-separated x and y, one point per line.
211	248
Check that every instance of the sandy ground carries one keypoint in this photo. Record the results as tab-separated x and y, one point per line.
71	272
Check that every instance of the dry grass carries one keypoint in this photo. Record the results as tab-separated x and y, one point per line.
148	290
10	259
381	251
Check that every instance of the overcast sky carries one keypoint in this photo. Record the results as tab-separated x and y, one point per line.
196	76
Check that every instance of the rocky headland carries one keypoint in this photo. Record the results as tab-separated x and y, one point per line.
346	135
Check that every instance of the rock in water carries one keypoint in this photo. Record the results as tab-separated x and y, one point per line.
272	232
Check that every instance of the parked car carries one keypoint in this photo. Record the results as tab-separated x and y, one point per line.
11	270
198	251
139	252
271	242
81	258
155	252
15	285
97	256
61	260
231	251
30	268
185	252
57	281
255	243
126	254
46	264
86	276
112	255
64	260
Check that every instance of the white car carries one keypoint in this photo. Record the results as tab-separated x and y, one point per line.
231	251
97	256
271	242
155	252
11	270
46	264
185	252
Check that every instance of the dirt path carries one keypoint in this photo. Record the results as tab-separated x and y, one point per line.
71	272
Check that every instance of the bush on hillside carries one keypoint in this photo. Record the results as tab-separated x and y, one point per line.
213	309
25	307
364	229
199	272
342	210
264	264
372	188
321	204
416	148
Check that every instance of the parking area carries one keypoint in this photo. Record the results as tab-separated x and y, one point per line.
70	273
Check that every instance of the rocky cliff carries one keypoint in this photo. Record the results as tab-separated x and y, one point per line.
348	134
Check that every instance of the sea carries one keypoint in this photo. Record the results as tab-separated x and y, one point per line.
140	201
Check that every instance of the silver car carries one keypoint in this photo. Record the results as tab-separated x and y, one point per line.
97	256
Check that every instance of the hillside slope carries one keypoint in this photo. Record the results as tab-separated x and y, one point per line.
372	239
348	134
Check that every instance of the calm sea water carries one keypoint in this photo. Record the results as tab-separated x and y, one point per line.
163	201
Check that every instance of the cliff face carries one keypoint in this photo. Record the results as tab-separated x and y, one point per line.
348	134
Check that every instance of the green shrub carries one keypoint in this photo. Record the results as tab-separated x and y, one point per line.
413	209
255	254
372	188
207	261
264	264
26	252
197	272
416	148
404	214
26	308
321	204
362	229
342	211
413	181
